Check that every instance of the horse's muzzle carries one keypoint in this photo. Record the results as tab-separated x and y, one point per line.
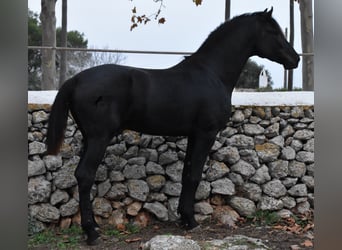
292	63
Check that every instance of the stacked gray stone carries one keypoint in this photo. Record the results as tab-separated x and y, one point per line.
263	159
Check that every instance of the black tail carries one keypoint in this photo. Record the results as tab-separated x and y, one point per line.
58	118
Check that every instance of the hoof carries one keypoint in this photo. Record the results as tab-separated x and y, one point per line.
93	238
189	225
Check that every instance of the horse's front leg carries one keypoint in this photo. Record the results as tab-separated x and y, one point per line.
199	145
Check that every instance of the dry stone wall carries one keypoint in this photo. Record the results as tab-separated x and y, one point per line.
262	160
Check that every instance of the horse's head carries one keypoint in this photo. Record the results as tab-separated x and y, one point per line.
271	42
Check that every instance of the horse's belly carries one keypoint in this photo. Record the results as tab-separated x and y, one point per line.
160	125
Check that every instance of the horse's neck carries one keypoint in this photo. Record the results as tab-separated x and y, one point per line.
228	57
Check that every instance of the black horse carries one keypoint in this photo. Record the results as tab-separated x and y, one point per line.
192	98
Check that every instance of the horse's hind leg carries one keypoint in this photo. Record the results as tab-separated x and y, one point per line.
199	145
94	149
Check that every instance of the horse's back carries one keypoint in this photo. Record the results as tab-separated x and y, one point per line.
102	78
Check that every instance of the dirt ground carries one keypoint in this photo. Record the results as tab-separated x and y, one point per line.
274	238
277	237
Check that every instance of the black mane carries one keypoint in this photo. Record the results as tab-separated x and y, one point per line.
225	28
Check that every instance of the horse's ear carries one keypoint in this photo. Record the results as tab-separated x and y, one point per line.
270	12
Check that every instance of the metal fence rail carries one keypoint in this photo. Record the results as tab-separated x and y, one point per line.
129	51
115	50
